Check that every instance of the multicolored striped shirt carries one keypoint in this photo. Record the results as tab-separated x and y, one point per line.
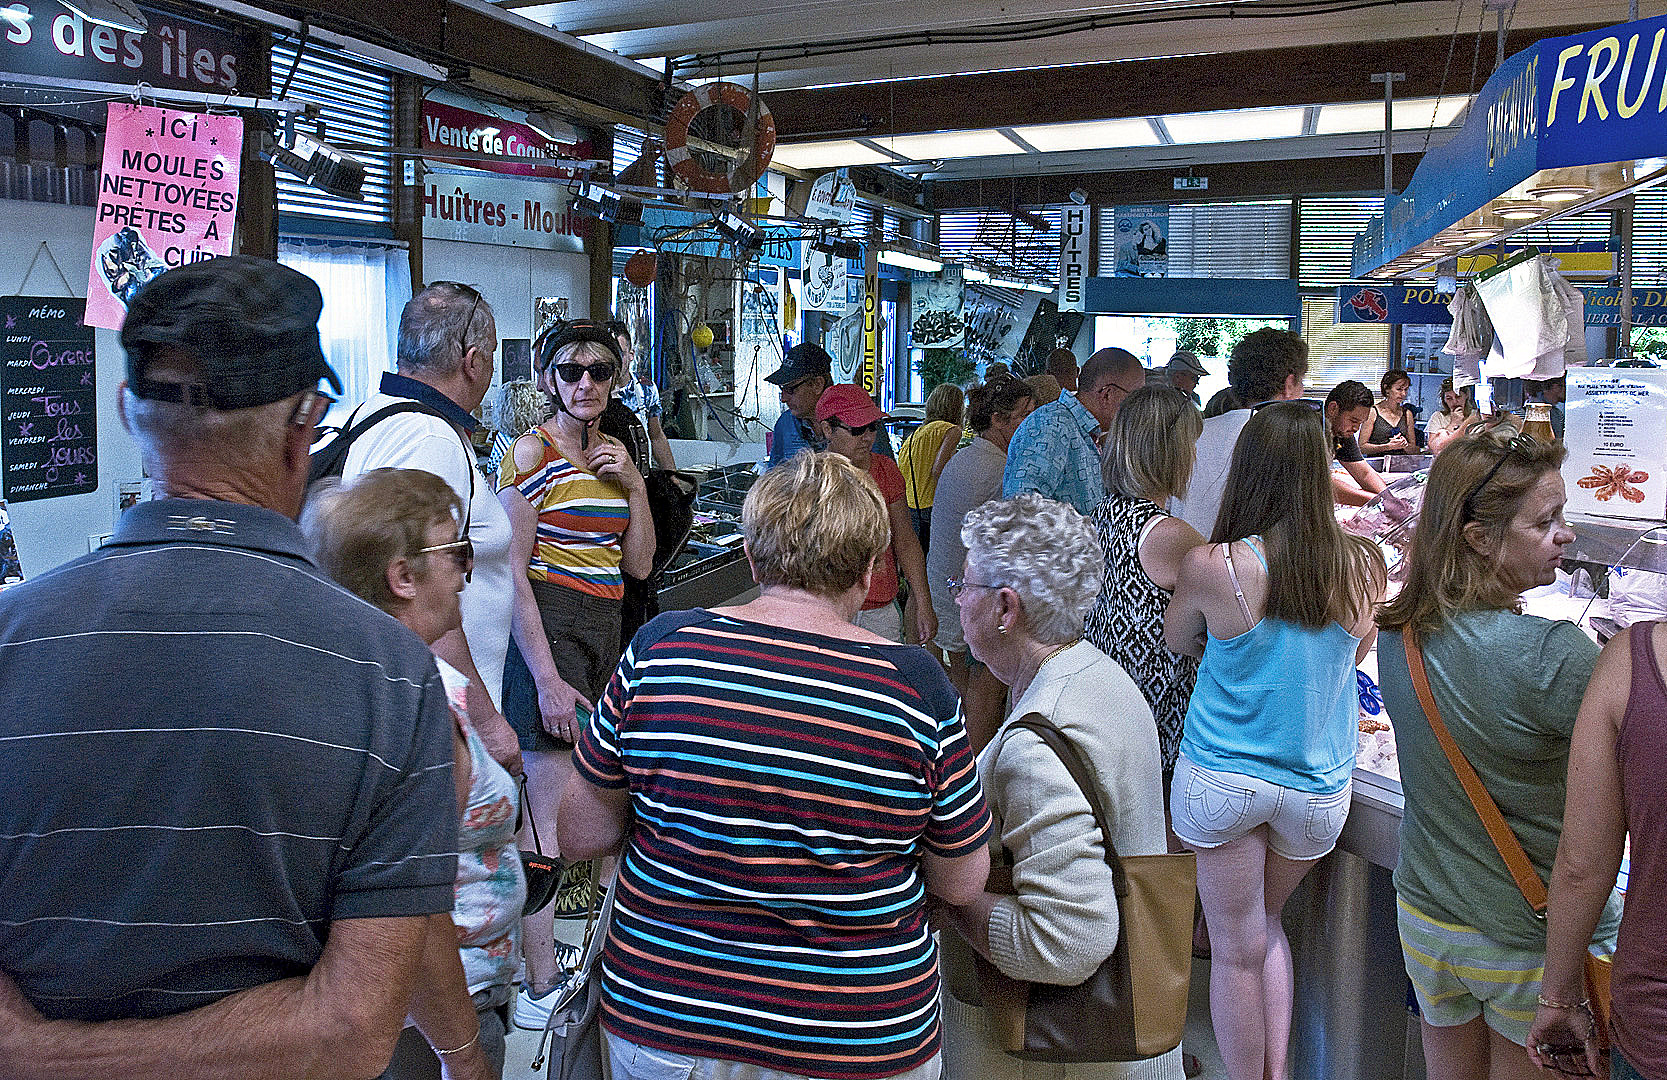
581	518
784	786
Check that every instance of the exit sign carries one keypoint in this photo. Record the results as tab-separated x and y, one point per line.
1192	183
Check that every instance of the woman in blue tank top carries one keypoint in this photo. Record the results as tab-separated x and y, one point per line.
1280	607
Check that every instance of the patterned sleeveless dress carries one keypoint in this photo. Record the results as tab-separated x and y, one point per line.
1126	619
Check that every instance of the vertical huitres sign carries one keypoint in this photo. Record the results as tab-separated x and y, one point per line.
1073	256
48	398
167	197
1616	433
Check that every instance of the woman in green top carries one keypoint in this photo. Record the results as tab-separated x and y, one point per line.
1508	687
927	450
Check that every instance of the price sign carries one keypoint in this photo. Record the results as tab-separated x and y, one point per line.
48	402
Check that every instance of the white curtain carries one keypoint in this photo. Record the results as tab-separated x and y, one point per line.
365	288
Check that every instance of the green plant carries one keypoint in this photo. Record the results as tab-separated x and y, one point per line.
1201	337
1650	343
939	366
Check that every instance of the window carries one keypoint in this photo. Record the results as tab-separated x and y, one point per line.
1326	229
357	109
1649	238
1024	243
365	288
1213	240
1338	351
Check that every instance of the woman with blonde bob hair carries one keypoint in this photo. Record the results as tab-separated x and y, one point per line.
784	784
1508	687
1148	460
1279	606
1033	566
391	536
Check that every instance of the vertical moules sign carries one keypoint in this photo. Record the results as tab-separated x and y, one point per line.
167	196
48	398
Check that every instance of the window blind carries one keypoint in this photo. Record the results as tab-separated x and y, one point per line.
1326	229
1026	246
1649	237
356	104
1341	351
1590	228
1213	240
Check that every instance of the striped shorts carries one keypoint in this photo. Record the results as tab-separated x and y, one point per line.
1458	973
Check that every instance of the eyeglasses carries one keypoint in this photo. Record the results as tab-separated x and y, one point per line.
957	585
866	429
1516	444
462	553
600	372
793	386
1109	384
304	409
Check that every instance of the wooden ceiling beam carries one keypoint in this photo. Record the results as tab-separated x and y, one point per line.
1300	75
1228	180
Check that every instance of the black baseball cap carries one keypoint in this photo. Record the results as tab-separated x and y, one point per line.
250	325
801	362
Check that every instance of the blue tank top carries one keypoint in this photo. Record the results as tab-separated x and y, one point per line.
1277	702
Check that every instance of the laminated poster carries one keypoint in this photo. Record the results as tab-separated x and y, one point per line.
935	310
825	281
1616	432
1142	241
167	197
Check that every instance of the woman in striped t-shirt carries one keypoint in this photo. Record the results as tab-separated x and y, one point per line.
579	512
787	787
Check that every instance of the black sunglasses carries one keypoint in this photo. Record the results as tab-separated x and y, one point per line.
866	429
600	372
1516	444
462	553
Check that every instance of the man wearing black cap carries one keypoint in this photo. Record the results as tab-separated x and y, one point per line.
805	372
226	782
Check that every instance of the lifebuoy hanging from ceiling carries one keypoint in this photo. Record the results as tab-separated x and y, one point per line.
754	158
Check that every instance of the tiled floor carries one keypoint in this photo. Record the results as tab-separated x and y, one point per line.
523	1045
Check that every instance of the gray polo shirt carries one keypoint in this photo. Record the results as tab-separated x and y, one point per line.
208	752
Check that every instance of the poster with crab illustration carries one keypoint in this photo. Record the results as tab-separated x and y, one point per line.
1616	432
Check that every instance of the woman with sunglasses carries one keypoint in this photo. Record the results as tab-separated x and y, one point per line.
1279	606
1491	528
578	511
390	536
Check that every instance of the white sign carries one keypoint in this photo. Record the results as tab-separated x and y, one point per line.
832	198
825	281
1616	432
488	208
1073	256
1192	183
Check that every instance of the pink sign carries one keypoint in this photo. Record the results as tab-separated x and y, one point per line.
167	197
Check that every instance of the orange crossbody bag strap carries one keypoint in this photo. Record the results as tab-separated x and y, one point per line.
1509	847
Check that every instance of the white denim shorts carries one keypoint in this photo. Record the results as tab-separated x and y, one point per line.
1213	808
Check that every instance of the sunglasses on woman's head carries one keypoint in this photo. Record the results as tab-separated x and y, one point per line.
1516	444
602	371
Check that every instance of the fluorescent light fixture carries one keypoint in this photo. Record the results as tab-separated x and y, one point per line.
910	261
1089	135
1411	114
1235	125
950	144
973	273
1006	283
1518	211
827	155
121	15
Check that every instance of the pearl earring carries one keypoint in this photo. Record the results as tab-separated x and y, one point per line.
1000	629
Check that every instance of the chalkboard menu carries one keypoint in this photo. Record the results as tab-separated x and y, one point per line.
48	403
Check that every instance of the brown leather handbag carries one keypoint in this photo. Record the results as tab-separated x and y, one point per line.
1499	831
1134	1006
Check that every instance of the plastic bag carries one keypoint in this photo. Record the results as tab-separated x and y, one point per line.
1529	318
1574	350
1472	331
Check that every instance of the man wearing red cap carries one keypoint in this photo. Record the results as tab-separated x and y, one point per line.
849	419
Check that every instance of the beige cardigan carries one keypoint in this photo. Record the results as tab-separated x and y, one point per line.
1063	922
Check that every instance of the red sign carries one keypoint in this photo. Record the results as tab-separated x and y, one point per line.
448	127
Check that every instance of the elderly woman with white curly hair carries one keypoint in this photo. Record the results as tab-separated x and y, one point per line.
1033	568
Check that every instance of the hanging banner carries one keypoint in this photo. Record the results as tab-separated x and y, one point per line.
39	37
825	279
1424	305
48	398
1073	256
845	344
488	208
871	322
452	122
935	310
996	322
832	198
167	197
1142	241
1616	432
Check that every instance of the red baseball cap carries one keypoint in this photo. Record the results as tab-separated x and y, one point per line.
850	405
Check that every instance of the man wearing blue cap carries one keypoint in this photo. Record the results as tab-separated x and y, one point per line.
226	782
805	372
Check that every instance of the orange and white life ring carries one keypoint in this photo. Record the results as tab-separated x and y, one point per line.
740	174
